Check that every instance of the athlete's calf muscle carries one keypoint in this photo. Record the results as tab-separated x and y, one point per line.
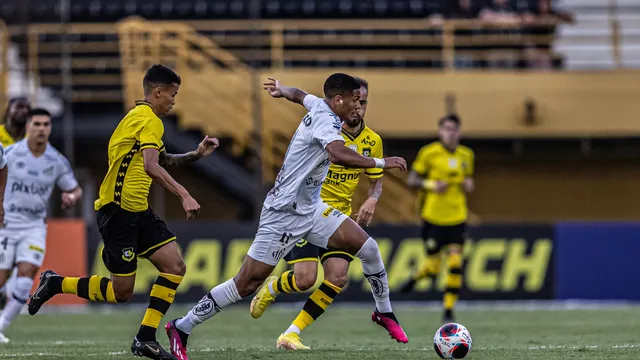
251	275
123	287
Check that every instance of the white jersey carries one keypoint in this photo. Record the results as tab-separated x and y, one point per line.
298	184
3	157
30	183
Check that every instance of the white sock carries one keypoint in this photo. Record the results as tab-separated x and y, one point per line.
373	269
272	291
19	297
293	329
210	305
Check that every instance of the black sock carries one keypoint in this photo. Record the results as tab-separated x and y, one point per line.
146	333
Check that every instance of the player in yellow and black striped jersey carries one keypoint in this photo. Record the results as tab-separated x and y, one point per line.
443	171
129	228
337	190
13	129
14	123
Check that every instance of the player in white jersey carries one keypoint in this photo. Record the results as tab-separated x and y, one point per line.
35	167
293	209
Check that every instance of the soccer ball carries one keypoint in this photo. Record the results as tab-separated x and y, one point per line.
452	341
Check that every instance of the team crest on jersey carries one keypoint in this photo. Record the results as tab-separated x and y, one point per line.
20	164
366	152
128	254
48	171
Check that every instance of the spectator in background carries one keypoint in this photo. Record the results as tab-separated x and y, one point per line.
500	11
543	20
505	39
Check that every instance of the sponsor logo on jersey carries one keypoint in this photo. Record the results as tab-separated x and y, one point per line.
33	189
336	177
13	208
48	171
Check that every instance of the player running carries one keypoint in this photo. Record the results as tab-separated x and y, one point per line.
337	190
443	171
293	209
129	228
35	167
13	129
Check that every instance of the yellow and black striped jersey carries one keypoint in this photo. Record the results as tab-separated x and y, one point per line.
126	183
341	183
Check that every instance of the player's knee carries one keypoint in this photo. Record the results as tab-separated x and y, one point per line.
177	268
369	251
305	279
338	279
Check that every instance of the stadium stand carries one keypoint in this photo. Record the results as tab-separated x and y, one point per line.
106	61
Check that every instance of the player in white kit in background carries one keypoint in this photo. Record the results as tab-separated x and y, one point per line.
293	208
35	167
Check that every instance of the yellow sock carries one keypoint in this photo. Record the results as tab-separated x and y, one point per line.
95	288
430	268
286	283
454	280
162	295
316	305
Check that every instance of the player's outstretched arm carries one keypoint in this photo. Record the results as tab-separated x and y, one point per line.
160	175
277	90
342	155
205	148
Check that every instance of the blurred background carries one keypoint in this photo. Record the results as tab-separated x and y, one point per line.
546	90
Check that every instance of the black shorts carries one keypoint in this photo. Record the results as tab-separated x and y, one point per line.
443	236
128	235
305	251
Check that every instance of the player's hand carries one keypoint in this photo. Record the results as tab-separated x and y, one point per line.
69	200
441	186
395	162
365	214
190	206
207	146
468	185
273	87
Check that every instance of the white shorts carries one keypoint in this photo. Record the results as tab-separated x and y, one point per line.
24	245
279	232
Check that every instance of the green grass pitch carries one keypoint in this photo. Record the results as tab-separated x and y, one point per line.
344	332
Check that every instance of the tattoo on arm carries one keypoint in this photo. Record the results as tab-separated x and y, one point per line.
375	188
175	160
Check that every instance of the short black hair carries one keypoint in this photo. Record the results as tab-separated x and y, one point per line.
363	83
38	112
339	84
157	75
450	117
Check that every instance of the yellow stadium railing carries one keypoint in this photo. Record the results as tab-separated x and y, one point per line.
95	46
211	57
4	63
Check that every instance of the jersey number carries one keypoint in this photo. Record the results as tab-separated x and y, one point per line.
4	243
285	238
